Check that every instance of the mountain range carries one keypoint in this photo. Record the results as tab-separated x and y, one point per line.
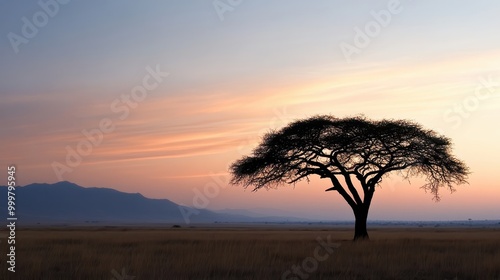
66	202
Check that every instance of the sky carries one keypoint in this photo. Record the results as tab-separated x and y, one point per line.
160	97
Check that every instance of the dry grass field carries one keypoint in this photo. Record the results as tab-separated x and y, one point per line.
236	253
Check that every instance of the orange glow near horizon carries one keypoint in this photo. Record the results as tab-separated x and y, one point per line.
194	125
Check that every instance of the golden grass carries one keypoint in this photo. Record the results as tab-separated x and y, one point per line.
224	253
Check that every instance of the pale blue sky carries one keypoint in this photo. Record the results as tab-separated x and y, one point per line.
103	43
229	77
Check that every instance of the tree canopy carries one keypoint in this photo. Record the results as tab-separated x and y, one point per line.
347	149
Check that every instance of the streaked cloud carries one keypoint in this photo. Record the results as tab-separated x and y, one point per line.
233	81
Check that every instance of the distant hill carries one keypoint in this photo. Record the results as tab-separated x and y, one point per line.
68	203
65	202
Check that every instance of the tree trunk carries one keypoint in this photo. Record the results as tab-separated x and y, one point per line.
361	215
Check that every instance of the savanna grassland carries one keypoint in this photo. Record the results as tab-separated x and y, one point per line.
253	253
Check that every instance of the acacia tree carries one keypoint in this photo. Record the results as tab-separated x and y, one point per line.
355	154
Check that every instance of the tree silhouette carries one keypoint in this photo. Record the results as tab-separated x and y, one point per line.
355	154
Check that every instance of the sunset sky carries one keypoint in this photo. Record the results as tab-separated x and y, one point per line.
237	69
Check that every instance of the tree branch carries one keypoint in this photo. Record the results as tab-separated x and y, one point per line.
347	178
